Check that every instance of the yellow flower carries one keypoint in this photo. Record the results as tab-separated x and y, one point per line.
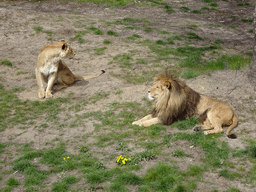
212	137
67	157
123	162
129	159
64	158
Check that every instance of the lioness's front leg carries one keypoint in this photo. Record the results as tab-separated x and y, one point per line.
39	78
51	80
139	122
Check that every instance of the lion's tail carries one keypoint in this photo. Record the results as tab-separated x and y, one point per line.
231	127
79	78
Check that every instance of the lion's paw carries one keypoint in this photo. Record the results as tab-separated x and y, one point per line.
137	123
197	128
206	133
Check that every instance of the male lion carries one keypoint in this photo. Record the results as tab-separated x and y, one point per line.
174	100
52	70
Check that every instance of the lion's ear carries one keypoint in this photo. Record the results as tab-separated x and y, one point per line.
168	85
156	78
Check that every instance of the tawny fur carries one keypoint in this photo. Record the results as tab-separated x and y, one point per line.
174	100
52	70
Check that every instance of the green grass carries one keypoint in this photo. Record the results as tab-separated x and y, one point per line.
169	9
196	11
79	37
134	37
107	42
205	8
185	9
180	153
247	20
96	30
25	111
234	62
231	175
213	4
12	182
38	29
215	153
186	124
189	74
100	51
112	33
6	62
194	36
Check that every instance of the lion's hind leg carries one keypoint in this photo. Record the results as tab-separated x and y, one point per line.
217	126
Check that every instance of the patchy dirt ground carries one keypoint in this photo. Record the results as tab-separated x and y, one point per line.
21	45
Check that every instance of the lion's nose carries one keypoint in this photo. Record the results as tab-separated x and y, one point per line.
148	91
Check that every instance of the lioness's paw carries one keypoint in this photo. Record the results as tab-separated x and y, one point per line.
48	95
41	94
197	128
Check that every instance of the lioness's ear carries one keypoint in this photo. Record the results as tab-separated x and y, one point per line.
64	46
63	40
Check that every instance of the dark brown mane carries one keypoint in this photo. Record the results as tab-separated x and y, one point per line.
182	102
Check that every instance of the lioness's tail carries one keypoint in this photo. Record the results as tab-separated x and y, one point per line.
231	127
79	78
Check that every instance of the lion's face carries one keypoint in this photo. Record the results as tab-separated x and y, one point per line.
159	89
67	51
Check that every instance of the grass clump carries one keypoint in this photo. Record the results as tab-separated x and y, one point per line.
180	153
100	51
231	175
169	9
196	11
107	42
37	29
247	20
79	37
213	4
6	62
189	74
186	124
134	36
112	33
194	36
185	9
12	182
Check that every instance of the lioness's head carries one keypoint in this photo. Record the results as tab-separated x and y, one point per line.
67	51
161	87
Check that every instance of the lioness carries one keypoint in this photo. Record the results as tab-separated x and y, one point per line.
174	100
52	70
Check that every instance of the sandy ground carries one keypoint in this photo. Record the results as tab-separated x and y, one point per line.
21	45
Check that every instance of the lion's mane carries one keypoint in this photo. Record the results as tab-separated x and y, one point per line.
176	103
